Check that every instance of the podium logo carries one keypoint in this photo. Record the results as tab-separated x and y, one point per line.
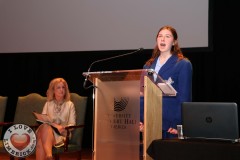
19	140
120	103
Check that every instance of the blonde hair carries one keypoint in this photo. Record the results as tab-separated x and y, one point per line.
52	84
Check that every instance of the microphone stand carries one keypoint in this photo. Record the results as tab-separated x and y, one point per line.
105	59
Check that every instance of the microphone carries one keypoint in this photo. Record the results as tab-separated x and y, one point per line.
105	59
121	55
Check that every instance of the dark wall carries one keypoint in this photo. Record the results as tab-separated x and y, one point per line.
215	72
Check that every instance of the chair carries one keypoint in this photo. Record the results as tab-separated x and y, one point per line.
23	112
3	105
75	143
25	106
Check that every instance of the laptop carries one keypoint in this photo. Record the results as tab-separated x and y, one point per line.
210	121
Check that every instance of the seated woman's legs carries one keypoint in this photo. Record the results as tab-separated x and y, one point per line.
45	141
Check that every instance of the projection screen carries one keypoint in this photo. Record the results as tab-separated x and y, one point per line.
99	25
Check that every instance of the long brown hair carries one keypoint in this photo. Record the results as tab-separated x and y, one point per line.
175	50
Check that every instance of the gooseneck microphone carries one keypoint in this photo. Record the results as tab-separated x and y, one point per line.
105	59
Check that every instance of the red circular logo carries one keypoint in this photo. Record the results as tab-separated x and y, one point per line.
19	140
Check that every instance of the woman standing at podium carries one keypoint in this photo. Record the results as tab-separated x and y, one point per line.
168	61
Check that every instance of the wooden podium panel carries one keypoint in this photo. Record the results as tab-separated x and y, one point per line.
152	115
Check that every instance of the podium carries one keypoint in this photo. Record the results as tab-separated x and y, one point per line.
116	109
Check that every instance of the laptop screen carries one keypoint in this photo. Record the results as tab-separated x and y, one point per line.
210	120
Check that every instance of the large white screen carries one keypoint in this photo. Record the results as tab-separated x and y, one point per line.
96	25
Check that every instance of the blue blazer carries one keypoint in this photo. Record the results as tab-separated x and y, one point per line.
181	74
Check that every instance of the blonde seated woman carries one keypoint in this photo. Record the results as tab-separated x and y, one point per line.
61	112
